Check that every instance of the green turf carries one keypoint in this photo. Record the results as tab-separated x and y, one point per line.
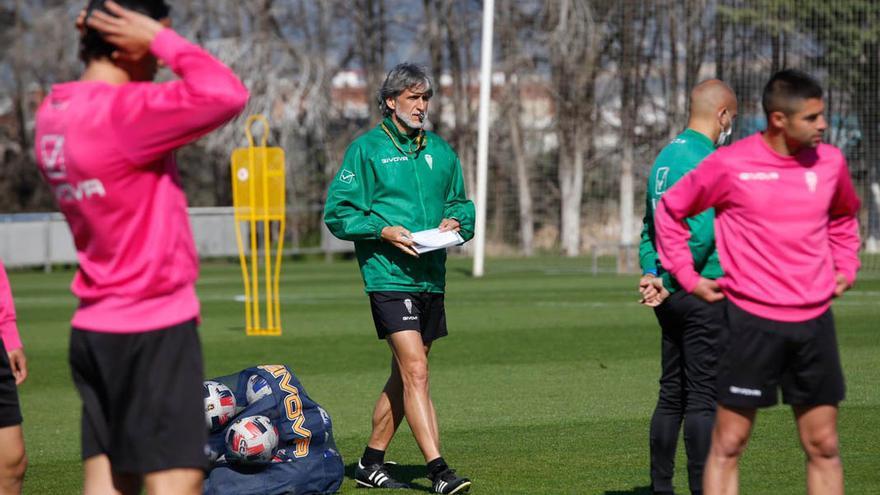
545	385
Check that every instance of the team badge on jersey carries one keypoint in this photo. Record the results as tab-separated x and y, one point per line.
52	153
660	180
812	180
430	160
346	176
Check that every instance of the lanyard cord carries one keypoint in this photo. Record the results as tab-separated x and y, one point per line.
420	141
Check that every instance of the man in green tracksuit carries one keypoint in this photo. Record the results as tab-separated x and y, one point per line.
394	180
691	327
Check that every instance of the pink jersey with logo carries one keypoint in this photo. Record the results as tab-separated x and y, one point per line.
8	329
784	226
107	153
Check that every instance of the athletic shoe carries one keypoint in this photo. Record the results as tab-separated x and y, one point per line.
376	476
447	482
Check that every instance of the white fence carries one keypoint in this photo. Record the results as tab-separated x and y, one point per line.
43	239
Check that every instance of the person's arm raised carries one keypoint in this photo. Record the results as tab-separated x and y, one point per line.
150	120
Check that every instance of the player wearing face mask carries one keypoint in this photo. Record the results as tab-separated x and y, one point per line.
690	326
727	131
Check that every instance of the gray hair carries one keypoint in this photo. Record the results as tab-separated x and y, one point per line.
401	78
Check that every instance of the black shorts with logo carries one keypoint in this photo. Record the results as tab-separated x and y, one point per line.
761	355
142	397
397	311
10	412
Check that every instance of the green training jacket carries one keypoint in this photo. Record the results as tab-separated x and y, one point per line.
387	179
676	159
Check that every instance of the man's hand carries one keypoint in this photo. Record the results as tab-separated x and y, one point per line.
450	224
81	22
130	31
652	290
18	364
708	290
401	238
842	285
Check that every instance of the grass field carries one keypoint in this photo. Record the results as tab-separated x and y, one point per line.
545	385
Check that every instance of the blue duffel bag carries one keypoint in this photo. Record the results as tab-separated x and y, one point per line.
306	462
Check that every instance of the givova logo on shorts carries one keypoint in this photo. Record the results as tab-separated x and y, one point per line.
408	304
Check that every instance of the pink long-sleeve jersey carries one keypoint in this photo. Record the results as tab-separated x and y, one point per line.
8	328
784	226
107	153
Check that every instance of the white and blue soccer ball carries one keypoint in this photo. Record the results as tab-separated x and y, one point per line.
219	405
252	439
257	388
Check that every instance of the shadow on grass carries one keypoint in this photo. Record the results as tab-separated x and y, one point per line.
636	490
460	270
404	473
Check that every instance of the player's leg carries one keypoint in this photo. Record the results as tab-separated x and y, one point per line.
392	312
388	412
142	408
749	372
372	471
729	439
409	352
667	417
813	385
434	425
13	461
444	480
172	460
183	481
817	426
99	479
702	330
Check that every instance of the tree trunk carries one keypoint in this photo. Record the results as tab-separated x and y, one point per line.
435	50
571	187
523	188
628	64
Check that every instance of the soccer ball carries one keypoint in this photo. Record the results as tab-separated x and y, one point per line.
219	405
251	439
257	388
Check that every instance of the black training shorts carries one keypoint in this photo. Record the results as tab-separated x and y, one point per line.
142	397
761	355
423	312
10	412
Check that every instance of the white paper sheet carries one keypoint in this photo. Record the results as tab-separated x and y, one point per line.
432	240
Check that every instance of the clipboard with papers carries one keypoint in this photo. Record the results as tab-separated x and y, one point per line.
431	240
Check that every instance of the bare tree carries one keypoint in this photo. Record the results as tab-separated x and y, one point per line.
577	34
515	65
370	33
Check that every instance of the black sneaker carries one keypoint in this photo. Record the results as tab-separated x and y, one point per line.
376	476
447	482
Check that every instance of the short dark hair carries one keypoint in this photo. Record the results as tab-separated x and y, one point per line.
400	78
785	88
92	45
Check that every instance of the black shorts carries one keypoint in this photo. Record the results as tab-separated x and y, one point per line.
10	412
142	397
761	355
397	311
692	329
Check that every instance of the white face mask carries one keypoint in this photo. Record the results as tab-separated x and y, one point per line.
725	133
